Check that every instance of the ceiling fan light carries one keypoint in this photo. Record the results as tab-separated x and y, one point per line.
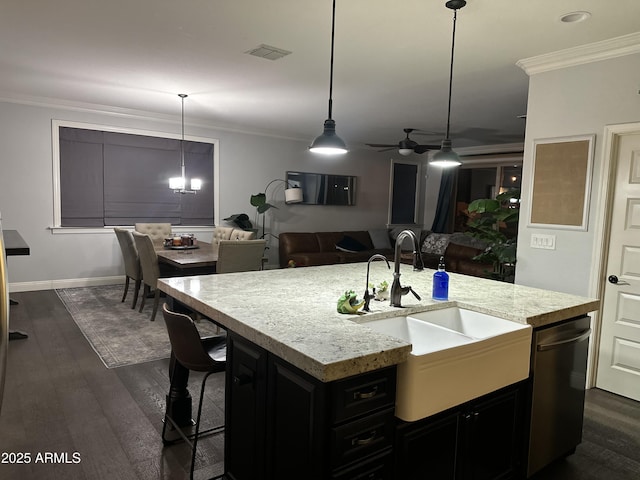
405	151
328	143
446	157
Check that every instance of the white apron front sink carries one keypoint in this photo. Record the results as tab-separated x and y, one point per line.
457	355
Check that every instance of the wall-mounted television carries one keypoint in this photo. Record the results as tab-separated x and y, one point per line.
323	188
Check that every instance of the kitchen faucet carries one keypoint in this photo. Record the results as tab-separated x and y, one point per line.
367	296
397	290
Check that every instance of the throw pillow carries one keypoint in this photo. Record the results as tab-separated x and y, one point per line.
350	244
436	243
380	238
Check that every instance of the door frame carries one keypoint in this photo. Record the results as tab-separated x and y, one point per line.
602	233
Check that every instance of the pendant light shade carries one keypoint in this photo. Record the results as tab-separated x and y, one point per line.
446	157
329	143
179	184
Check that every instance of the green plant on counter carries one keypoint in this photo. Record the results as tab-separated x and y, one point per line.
490	221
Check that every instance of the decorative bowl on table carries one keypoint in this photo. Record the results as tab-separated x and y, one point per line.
185	241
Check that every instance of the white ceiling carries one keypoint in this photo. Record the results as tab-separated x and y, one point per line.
391	60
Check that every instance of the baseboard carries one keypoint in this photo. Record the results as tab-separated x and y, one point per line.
64	283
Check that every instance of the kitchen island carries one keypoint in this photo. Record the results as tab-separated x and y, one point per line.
319	384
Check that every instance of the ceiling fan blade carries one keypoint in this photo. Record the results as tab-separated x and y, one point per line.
425	148
493	155
381	145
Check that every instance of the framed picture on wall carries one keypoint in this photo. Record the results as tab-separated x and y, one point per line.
561	182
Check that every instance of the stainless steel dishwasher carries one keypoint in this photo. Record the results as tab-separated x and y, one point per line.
559	365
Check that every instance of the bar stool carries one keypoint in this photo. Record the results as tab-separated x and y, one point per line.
206	354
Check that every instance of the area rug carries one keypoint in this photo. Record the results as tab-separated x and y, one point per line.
118	334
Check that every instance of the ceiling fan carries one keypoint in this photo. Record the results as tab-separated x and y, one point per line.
406	145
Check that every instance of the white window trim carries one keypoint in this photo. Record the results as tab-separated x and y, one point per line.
55	149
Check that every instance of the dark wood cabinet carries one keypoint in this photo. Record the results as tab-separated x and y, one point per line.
245	414
283	423
428	448
480	440
492	431
295	417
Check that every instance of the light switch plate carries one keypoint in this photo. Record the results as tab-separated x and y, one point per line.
546	242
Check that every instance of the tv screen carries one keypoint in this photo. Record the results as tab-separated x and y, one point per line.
324	189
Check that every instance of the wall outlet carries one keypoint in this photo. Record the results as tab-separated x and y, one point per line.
547	242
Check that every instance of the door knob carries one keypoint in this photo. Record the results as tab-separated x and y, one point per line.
614	279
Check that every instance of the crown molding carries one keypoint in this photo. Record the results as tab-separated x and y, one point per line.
112	111
589	53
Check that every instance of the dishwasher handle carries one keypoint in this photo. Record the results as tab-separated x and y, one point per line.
567	341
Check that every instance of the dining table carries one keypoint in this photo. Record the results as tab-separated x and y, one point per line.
199	259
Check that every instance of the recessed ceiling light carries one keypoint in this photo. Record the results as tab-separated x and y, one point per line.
575	17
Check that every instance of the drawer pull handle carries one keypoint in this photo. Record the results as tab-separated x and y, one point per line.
364	441
241	380
364	395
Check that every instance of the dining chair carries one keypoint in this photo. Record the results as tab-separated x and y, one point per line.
240	255
238	234
207	354
220	233
132	269
150	270
157	231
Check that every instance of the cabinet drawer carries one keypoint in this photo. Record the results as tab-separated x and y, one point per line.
364	393
363	437
378	467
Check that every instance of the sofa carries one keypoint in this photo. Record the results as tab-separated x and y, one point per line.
458	250
305	249
302	249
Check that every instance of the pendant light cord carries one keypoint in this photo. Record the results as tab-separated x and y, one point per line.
182	167
333	30
453	44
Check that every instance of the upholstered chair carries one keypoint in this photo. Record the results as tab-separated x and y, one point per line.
240	255
132	269
150	270
238	234
157	231
220	233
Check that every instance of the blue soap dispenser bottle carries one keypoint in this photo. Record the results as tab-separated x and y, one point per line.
440	283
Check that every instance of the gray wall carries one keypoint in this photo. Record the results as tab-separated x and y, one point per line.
247	163
573	101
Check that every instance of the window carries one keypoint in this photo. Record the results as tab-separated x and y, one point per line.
403	204
483	182
108	178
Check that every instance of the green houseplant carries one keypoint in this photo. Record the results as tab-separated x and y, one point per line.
259	201
495	221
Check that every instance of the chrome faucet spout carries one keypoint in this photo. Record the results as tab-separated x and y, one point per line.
397	290
367	295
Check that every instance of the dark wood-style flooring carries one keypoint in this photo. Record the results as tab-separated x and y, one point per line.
60	399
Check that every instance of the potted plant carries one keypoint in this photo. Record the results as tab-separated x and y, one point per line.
493	222
241	220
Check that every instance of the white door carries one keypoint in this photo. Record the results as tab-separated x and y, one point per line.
619	356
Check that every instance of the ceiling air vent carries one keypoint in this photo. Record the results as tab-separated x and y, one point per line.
268	52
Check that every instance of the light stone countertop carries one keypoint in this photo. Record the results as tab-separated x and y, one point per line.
292	312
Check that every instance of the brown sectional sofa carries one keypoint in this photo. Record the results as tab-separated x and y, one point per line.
319	248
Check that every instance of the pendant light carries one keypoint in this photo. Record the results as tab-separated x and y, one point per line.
178	184
329	143
446	157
